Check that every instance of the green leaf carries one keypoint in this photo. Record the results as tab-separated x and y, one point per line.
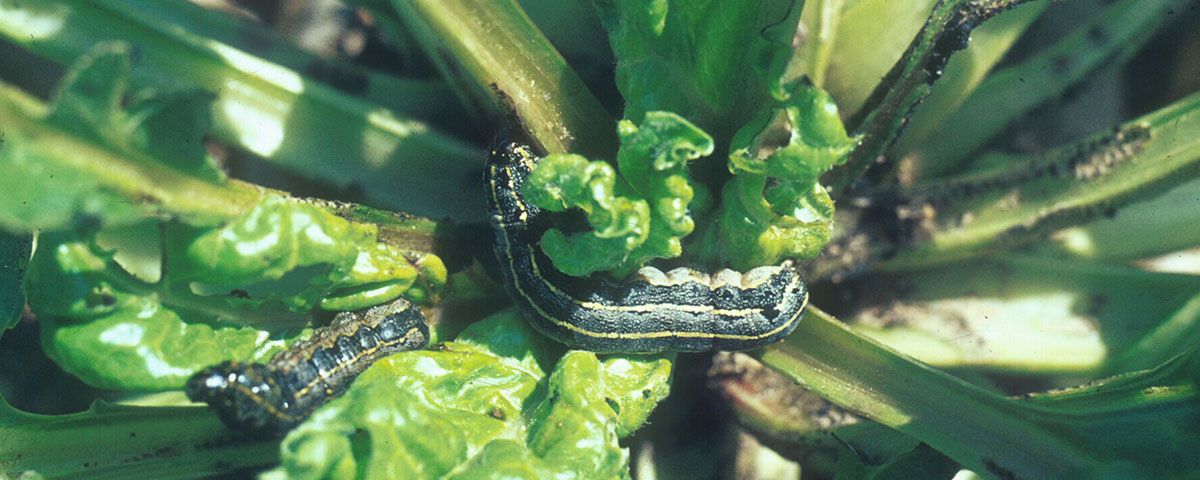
710	61
639	217
93	155
14	256
268	268
265	100
30	171
775	206
170	126
482	406
633	387
295	251
113	331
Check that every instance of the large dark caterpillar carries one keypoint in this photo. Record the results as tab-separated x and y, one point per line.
681	310
269	399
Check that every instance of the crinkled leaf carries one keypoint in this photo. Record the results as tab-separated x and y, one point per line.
113	331
299	254
481	407
269	267
775	206
14	256
640	217
620	224
714	62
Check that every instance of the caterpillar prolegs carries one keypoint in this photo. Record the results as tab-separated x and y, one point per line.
268	399
681	310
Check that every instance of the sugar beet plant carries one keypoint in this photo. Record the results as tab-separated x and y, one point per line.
969	278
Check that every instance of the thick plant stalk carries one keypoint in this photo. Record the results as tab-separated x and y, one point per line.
501	63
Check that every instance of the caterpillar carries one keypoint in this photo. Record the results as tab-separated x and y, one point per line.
268	399
682	310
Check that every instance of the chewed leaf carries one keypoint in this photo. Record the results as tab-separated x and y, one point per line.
481	407
775	206
633	387
635	218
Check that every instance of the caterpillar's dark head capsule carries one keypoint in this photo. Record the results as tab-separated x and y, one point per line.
245	396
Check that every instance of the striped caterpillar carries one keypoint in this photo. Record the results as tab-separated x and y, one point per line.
682	310
269	399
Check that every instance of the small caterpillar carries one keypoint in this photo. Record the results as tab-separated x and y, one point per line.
681	310
269	399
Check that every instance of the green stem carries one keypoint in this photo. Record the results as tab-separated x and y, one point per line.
1109	40
1024	200
497	57
113	442
267	108
981	430
157	187
821	19
964	73
885	114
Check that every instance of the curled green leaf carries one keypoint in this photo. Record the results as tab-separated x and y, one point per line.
300	255
635	218
775	206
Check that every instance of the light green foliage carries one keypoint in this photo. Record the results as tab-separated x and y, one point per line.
712	62
482	406
722	65
775	207
194	274
90	151
299	253
113	331
641	216
268	268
